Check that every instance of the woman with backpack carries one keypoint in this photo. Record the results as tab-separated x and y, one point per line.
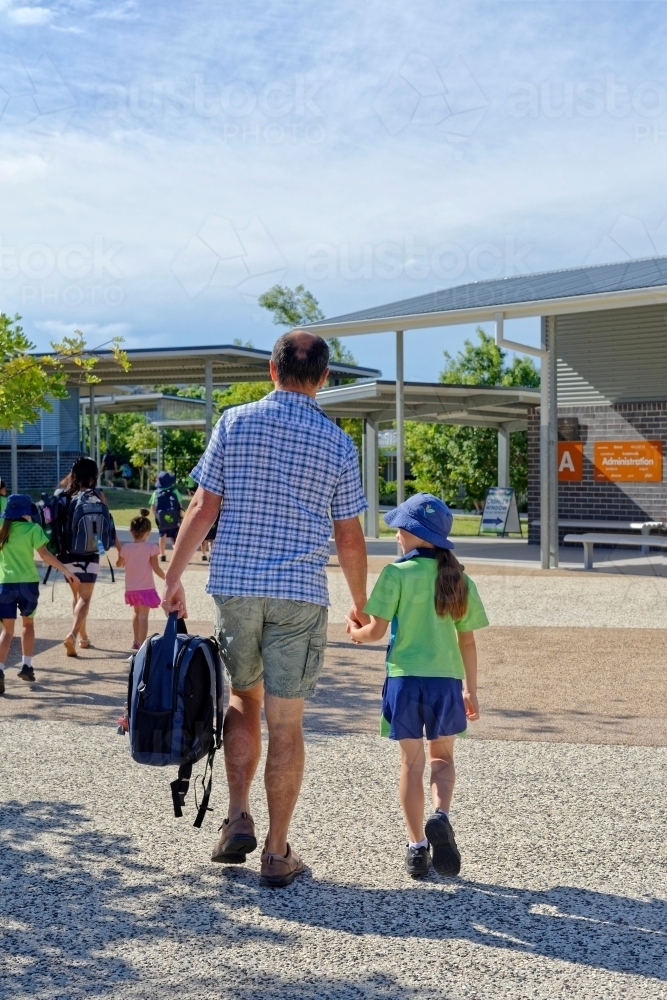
79	550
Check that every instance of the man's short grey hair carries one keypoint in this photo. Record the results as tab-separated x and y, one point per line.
300	358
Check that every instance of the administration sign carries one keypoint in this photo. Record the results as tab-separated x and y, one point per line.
628	461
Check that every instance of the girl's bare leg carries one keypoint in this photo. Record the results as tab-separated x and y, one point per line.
443	775
28	636
6	636
83	593
140	623
411	787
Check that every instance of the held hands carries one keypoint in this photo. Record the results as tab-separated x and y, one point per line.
471	705
352	627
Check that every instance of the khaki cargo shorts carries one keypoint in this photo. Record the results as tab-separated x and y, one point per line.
277	641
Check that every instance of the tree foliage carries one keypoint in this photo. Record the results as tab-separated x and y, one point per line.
291	306
446	459
27	380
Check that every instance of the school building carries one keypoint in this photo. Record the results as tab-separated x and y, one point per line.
597	435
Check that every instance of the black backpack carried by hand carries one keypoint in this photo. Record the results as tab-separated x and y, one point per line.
175	705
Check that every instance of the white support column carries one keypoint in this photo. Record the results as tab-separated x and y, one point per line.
371	484
503	456
159	457
545	399
553	443
14	460
91	420
400	420
208	385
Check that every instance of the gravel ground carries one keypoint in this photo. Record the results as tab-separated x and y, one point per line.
563	889
584	600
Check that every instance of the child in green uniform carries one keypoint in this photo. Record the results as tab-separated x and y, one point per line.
19	579
431	683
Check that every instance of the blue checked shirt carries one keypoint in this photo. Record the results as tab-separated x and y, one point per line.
284	470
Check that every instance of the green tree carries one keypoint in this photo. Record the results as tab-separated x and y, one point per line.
291	306
182	450
444	457
27	380
141	443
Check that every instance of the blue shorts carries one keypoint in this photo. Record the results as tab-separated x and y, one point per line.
412	705
23	596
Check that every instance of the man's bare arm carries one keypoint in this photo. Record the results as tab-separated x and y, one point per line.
351	550
200	515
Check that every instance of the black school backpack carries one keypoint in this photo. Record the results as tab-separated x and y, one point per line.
167	510
88	522
175	703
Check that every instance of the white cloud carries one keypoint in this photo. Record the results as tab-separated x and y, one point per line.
153	147
30	15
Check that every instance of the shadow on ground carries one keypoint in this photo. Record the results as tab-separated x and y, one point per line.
84	912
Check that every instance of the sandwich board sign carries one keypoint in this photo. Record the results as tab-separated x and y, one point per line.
501	513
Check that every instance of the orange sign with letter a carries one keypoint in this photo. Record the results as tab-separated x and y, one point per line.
628	461
570	461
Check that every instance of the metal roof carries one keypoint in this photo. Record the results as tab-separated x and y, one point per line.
433	402
150	366
578	289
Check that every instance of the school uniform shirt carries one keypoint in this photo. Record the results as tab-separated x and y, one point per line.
17	560
423	644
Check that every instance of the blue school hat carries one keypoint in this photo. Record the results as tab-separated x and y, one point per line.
166	480
426	517
18	505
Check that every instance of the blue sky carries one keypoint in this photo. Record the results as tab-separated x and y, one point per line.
160	169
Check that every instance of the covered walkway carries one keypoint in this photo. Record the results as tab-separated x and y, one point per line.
375	402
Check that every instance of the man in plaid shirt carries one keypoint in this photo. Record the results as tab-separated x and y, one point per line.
282	472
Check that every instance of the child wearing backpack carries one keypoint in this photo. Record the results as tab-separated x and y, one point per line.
139	557
165	504
431	683
19	579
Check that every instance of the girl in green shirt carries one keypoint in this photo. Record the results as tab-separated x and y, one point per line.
19	579
431	683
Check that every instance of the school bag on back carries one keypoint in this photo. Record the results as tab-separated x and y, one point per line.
175	703
89	522
167	510
52	516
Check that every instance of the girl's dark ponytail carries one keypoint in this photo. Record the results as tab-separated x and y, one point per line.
451	589
4	531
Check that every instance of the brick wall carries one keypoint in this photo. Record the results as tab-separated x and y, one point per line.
602	501
38	470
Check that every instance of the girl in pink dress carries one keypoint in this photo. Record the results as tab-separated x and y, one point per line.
140	559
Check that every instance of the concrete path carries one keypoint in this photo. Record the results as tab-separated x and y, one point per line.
563	890
559	813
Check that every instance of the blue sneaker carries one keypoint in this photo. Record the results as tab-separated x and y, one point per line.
26	673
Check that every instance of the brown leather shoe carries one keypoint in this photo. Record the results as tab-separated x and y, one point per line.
278	871
236	840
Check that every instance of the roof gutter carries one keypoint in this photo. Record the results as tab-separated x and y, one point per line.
518	310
